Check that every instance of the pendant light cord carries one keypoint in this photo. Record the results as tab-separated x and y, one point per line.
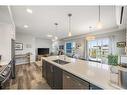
56	24
99	14
69	25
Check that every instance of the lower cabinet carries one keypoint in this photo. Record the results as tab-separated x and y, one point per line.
49	74
53	75
72	82
44	69
94	87
59	79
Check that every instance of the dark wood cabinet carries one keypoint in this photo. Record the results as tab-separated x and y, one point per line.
72	82
58	78
49	74
94	87
53	75
44	69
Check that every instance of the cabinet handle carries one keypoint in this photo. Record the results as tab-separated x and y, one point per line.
51	68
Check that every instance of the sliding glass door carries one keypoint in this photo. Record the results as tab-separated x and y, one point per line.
98	49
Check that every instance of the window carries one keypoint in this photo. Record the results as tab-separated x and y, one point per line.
98	50
69	47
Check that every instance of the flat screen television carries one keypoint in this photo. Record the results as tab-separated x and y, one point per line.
43	51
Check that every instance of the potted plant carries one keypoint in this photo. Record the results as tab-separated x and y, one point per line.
113	60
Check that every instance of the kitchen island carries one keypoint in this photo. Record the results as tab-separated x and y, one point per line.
84	74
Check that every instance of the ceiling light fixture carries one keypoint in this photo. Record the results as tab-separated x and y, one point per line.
56	24
56	38
99	24
49	36
29	10
53	40
69	25
90	37
25	26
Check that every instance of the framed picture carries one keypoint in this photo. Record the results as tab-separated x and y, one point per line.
19	46
121	44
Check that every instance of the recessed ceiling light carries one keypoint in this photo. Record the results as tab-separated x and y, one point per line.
29	10
49	35
56	38
53	40
90	37
25	26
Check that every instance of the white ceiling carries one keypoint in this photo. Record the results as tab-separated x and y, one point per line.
41	21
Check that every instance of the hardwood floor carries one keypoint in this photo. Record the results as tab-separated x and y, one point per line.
28	76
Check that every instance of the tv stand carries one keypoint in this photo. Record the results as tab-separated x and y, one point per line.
38	58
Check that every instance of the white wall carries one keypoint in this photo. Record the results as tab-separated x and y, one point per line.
33	42
27	40
118	36
43	43
81	50
6	34
55	47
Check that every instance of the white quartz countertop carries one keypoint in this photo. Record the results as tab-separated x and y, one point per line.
93	72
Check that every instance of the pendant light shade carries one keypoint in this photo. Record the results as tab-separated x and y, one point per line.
69	34
69	25
99	24
56	24
90	37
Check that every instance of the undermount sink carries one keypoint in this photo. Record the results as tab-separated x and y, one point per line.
60	61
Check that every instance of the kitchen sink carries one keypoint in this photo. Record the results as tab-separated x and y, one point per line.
60	61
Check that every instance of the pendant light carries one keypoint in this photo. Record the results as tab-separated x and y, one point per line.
69	25
56	24
99	24
90	37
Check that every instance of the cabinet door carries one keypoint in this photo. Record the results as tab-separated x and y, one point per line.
93	87
49	74
44	69
72	82
57	77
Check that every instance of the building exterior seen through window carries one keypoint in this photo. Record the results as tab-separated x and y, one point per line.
98	49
